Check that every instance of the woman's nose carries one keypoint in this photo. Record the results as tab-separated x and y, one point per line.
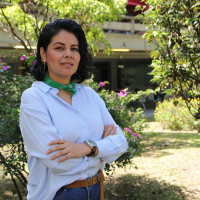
68	53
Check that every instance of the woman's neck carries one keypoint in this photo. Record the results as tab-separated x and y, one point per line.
61	79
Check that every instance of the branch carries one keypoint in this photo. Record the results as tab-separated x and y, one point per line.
10	172
45	19
21	181
16	186
13	31
25	33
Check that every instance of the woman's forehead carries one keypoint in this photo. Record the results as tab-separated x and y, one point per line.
64	37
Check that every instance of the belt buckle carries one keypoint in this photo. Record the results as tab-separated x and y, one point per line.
90	182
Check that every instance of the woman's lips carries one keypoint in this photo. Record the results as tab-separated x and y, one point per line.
67	64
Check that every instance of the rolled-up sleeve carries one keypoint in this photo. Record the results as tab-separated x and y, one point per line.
113	146
38	130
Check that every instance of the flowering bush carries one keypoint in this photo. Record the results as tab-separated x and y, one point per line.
131	123
174	114
13	156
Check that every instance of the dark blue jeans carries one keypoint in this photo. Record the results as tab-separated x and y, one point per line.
83	193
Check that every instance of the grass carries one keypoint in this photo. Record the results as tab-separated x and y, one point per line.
150	119
168	169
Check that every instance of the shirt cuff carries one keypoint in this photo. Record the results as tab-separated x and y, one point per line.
104	150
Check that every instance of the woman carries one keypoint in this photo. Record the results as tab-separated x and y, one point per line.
67	130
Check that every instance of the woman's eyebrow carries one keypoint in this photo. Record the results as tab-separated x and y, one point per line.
64	44
59	43
75	45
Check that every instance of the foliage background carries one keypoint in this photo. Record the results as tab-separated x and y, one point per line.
23	20
174	114
173	29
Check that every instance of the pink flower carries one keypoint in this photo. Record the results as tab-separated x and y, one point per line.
125	129
8	95
117	107
111	98
137	150
120	94
102	84
31	54
5	67
131	113
23	57
138	137
129	130
131	138
134	134
124	90
0	60
33	62
125	94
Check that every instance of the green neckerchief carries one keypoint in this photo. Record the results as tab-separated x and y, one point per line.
70	87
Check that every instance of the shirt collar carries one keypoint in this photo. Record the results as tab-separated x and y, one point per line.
45	88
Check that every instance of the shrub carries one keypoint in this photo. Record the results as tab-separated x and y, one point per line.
174	114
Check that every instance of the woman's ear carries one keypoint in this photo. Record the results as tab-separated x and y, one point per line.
43	54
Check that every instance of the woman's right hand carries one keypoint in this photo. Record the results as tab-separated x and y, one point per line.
109	130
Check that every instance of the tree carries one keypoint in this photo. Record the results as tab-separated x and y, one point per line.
24	19
173	28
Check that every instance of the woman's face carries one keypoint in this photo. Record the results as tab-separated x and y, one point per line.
62	56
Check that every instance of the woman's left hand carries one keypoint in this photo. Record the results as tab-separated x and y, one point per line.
68	150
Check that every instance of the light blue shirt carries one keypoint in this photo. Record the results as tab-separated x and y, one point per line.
45	117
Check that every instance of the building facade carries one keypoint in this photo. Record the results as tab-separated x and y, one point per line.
128	66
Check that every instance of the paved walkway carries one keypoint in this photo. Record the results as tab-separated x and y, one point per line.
149	112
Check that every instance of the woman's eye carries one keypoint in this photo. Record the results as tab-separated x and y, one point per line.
59	48
75	49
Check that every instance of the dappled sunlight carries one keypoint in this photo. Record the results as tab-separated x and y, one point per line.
131	187
173	176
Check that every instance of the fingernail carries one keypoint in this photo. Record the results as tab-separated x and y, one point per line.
58	160
47	152
51	158
49	143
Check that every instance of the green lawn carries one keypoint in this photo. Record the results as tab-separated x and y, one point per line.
169	169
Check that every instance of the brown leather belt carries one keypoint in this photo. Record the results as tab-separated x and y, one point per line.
90	182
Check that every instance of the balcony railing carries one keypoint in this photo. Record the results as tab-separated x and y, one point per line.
129	25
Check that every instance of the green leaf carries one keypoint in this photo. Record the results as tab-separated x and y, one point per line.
137	8
139	16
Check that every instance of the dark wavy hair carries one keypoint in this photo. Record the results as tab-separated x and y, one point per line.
45	38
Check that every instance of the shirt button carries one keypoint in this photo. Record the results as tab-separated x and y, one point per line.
76	112
84	127
88	174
